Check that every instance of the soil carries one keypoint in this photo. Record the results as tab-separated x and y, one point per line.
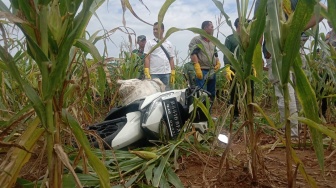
203	170
271	162
271	167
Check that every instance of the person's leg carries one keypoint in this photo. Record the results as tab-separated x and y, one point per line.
324	102
234	99
211	87
293	109
200	82
165	78
324	107
281	102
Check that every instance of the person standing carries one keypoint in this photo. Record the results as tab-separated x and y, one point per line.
204	56
275	82
232	43
160	62
141	41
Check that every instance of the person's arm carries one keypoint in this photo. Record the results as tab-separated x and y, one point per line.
228	45
147	60
194	58
314	18
217	60
171	62
147	48
171	56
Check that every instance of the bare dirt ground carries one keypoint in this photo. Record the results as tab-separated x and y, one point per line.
198	173
271	167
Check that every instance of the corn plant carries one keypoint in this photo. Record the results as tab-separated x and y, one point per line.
54	40
285	48
320	71
284	42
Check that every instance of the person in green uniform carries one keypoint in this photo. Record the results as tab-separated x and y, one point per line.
141	41
232	44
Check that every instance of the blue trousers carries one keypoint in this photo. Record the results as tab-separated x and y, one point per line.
165	79
208	83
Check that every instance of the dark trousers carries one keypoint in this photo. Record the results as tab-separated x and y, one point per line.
234	97
208	83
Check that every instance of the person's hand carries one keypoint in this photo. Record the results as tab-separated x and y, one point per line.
229	73
217	66
172	76
198	71
146	72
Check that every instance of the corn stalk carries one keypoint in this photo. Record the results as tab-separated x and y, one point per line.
283	41
53	30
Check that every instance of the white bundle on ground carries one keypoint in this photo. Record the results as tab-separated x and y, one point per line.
134	89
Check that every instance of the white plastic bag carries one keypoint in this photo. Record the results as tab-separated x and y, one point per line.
134	89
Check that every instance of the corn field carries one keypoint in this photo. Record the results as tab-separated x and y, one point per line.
54	83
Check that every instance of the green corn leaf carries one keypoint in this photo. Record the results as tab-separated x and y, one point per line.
158	172
88	47
199	104
163	11
44	2
87	180
273	36
302	15
74	32
27	10
307	98
21	113
131	181
258	61
321	128
149	173
268	119
24	85
256	32
130	164
95	38
96	164
164	183
3	66
173	178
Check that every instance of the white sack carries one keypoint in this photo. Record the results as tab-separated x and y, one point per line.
134	89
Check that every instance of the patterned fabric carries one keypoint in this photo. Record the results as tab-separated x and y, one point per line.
189	71
140	63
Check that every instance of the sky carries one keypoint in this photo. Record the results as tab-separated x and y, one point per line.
181	14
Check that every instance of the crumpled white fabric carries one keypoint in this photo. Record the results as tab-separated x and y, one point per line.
135	89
